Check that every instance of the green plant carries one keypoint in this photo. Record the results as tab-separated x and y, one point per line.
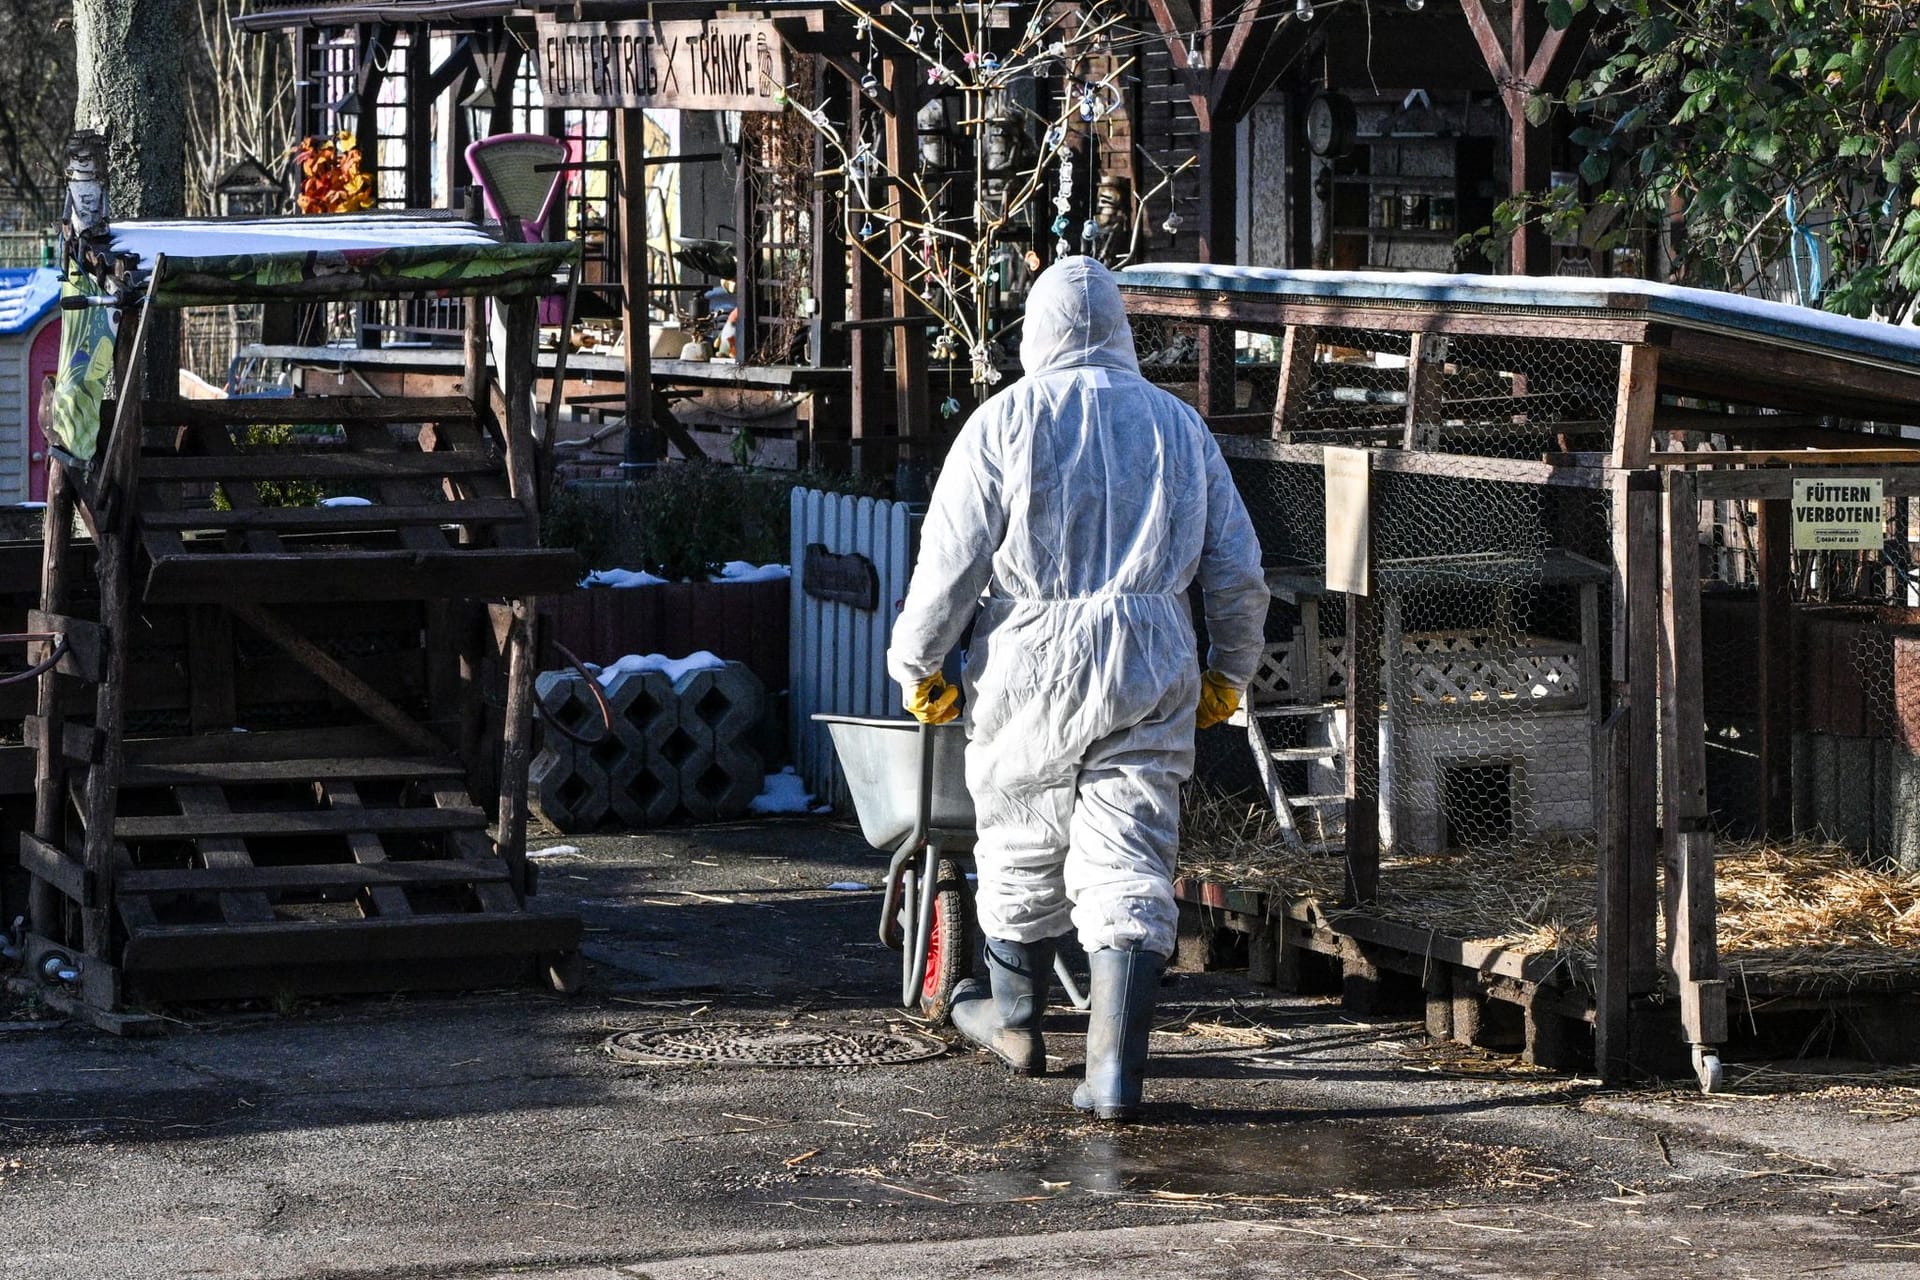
684	520
1759	131
274	493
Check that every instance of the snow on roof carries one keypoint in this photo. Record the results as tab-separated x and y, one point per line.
219	238
1702	308
27	294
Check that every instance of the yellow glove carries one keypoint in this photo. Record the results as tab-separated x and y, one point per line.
933	700
1218	700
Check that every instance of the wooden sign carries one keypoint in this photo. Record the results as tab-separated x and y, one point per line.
1841	514
1349	474
716	64
849	579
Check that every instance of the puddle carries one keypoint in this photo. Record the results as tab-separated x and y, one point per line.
1255	1160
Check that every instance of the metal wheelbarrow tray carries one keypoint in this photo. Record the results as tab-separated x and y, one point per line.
908	783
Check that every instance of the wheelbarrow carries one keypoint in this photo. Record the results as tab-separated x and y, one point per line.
909	787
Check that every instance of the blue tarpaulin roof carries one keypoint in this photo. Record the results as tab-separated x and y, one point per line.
27	294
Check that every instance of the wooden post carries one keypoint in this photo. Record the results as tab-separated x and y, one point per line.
1692	938
1636	668
867	346
827	346
517	356
642	440
1218	196
516	750
1613	901
1363	748
1296	376
1528	153
50	762
1777	668
1637	393
1426	371
474	344
911	375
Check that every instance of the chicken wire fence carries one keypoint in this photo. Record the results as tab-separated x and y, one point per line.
1493	603
1492	396
1853	676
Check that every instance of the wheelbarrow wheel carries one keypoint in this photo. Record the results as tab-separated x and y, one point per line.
950	943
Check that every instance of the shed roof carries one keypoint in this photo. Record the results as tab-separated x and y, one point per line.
1714	344
27	294
211	261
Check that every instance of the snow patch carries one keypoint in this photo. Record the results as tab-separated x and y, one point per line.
673	668
786	792
620	578
742	571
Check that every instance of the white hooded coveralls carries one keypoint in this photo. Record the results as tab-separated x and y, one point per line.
1072	513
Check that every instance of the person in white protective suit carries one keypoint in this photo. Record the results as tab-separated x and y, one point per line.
1069	520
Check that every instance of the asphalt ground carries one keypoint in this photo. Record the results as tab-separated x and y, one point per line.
495	1133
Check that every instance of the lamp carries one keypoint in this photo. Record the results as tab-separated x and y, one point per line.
346	109
479	104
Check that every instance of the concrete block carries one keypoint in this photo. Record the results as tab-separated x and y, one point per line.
717	784
645	708
644	789
569	786
726	703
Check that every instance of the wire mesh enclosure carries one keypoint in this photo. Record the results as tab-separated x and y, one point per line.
1585	725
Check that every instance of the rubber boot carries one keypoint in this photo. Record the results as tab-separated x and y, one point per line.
1006	1019
1125	985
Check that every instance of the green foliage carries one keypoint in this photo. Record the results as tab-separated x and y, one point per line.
1734	117
684	520
275	493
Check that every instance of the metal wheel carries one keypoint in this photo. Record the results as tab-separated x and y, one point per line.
949	943
1707	1069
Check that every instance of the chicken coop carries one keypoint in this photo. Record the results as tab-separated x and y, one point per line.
284	645
1589	705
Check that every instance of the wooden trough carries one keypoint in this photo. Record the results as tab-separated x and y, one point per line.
1624	426
338	595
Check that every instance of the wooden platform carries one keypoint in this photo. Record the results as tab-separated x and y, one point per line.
286	746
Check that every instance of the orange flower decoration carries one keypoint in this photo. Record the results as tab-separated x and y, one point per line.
330	177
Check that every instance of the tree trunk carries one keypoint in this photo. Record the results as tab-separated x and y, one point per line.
131	85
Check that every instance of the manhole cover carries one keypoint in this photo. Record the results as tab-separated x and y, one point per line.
731	1045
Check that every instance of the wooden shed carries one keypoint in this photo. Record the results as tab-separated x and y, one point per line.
29	353
1496	511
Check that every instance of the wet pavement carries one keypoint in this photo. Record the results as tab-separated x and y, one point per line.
494	1133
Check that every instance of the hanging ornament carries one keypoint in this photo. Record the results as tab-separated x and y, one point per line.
1089	105
916	33
1303	10
1172	225
971	58
1062	203
862	27
1057	49
1060	226
868	231
1055	135
1088	230
949	407
943	348
936	73
780	95
989	62
1194	56
985	371
869	84
1062	249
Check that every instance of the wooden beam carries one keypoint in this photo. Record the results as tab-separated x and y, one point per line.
332	464
911	375
1362	760
1778	671
636	317
338	678
325	875
1426	372
325	410
1891	456
367	575
203	826
1692	939
309	519
1637	502
1635	399
1296	377
203	947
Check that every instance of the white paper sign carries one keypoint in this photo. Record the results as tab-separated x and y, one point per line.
715	64
1841	514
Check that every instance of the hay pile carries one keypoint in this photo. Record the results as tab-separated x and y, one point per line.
1804	915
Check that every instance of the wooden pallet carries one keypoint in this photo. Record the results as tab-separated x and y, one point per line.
346	852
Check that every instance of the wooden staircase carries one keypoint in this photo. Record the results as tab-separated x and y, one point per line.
353	678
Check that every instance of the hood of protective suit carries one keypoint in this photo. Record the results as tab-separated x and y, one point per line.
1075	319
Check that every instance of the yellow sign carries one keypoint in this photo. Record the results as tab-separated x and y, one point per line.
719	64
1842	514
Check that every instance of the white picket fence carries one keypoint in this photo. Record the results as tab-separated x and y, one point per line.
838	650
